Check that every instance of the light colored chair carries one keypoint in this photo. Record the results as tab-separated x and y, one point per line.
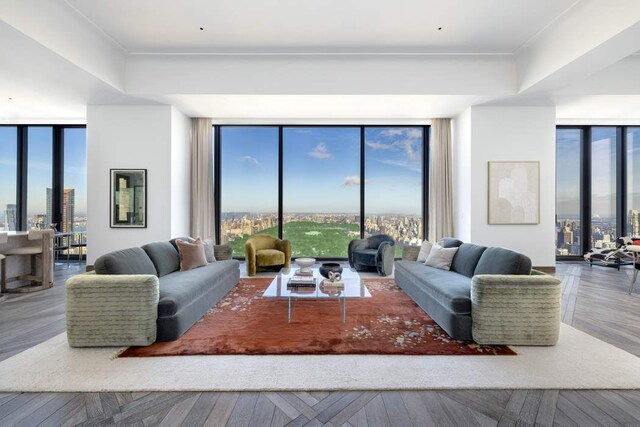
45	249
264	250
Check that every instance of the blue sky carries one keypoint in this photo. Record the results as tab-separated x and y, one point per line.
40	167
603	154
321	169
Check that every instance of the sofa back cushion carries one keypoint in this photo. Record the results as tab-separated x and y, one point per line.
164	256
467	258
503	261
125	261
450	242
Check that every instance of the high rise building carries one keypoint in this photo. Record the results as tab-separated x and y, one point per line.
10	218
68	209
634	222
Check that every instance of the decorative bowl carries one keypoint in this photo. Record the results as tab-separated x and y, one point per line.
326	267
305	264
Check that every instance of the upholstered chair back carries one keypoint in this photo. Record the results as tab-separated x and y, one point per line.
374	242
264	241
39	234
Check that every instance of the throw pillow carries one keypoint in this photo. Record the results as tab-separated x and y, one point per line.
192	255
441	257
208	250
425	249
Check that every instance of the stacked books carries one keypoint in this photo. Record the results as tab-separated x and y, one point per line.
302	279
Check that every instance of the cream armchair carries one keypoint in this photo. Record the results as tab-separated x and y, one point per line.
263	250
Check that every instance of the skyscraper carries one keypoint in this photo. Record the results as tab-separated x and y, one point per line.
68	209
10	218
634	222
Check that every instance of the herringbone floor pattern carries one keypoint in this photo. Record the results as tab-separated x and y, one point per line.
594	300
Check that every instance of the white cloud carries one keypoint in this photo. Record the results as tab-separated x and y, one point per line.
412	166
379	145
411	133
321	152
351	180
407	146
250	160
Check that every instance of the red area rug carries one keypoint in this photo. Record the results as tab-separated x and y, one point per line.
244	322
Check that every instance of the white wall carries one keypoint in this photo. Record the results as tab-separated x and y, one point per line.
180	173
506	133
462	175
137	137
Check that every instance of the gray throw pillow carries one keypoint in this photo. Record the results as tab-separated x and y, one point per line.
208	250
440	257
425	249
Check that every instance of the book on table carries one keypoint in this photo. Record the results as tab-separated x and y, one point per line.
302	280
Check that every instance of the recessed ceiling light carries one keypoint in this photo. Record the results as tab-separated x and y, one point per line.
10	99
439	28
201	28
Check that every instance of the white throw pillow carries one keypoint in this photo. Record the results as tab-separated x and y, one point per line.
441	257
425	249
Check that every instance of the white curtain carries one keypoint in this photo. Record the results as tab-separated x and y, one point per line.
202	198
440	181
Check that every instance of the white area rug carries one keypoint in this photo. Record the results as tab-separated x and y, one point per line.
578	361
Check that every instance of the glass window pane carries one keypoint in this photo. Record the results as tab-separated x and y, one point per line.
249	183
321	194
39	176
568	200
8	177
603	187
74	202
393	183
633	181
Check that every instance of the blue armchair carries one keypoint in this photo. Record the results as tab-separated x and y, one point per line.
375	253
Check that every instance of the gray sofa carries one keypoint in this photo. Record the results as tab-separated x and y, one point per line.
184	296
494	287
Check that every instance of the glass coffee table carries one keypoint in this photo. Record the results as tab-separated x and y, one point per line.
353	288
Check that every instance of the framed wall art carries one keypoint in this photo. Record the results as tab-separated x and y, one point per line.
128	202
514	192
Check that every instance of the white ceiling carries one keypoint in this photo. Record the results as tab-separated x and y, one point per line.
321	26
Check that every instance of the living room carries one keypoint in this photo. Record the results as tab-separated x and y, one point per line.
330	213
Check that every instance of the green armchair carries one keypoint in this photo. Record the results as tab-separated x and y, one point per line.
263	250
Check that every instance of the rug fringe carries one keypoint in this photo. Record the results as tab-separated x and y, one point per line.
117	353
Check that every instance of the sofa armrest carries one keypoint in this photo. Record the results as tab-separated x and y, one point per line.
250	257
515	309
222	252
111	310
410	252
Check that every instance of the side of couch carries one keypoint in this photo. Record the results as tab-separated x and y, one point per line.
475	302
102	306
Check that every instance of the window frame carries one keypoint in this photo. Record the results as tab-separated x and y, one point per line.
585	183
217	150
57	178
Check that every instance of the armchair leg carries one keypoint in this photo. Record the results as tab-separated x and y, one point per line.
633	281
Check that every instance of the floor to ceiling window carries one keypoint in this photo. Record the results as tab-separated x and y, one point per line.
633	181
8	177
321	189
37	191
248	183
393	183
320	186
597	187
568	199
39	177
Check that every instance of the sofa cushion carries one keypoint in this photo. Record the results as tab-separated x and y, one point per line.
365	256
181	288
164	257
467	258
440	257
503	261
450	242
266	257
209	250
448	288
125	261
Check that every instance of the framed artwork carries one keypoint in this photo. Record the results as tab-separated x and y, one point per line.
514	192
128	198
